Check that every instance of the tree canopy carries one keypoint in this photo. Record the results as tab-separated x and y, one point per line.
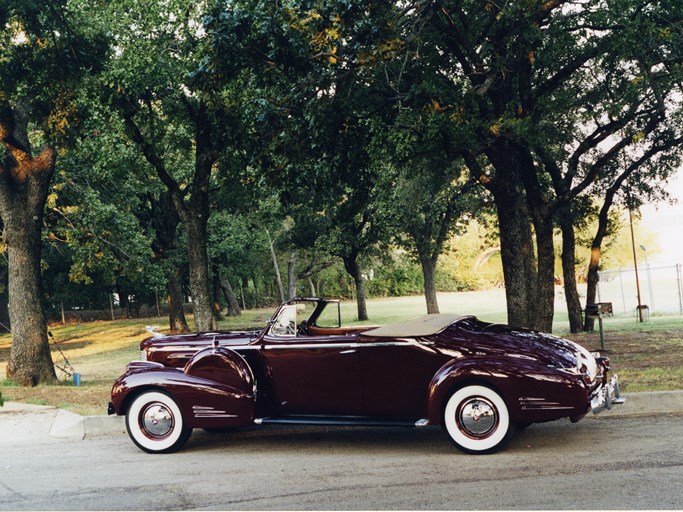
206	149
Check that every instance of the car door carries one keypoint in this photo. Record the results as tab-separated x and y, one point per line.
396	375
312	375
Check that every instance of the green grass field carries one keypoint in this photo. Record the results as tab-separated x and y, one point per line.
647	356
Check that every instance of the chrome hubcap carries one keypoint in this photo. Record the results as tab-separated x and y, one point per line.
477	417
157	420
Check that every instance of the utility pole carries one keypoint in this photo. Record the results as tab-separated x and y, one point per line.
635	264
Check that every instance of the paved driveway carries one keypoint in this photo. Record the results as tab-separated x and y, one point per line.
602	463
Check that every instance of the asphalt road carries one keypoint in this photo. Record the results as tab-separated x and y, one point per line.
599	463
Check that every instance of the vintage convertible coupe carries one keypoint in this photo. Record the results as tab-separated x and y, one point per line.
478	380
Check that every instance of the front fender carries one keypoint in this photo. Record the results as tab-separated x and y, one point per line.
532	392
204	402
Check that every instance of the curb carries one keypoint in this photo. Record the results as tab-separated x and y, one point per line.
61	423
27	420
69	424
97	425
652	402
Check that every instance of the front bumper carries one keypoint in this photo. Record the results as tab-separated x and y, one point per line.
606	396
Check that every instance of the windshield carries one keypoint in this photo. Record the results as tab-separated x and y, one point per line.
304	312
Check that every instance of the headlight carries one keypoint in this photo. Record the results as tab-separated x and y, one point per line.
586	359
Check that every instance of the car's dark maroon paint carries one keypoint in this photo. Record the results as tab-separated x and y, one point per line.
299	372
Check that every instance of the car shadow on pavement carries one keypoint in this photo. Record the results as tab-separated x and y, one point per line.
297	439
426	440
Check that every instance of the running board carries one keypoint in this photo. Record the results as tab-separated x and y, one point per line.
342	421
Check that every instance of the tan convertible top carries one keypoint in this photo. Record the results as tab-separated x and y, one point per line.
423	326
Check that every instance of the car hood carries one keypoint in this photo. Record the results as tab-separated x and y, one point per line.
201	339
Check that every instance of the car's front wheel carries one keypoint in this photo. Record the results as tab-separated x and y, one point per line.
155	423
477	421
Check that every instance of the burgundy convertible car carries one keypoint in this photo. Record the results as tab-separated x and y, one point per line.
478	380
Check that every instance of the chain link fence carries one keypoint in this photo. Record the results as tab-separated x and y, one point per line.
661	289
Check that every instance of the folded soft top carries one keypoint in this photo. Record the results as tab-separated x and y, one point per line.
424	326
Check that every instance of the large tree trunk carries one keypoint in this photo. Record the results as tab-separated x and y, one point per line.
429	274
596	252
529	283
594	266
165	220
216	289
571	292
24	185
198	260
4	302
233	305
353	268
176	311
30	360
542	306
544	295
516	251
592	284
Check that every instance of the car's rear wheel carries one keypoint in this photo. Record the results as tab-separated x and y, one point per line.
155	423
477	421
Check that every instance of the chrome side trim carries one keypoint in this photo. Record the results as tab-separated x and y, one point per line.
422	422
313	345
209	412
285	345
175	348
529	403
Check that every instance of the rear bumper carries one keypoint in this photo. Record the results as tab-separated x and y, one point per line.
606	396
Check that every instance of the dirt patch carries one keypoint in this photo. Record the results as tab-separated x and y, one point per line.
639	350
644	360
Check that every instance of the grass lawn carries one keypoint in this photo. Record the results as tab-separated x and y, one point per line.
647	356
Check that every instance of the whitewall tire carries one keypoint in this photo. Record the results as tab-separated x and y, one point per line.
476	419
155	423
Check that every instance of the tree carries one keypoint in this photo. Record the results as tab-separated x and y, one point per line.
24	182
182	115
165	220
642	171
427	190
324	97
46	49
547	94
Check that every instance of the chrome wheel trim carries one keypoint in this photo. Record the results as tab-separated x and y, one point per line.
156	420
477	417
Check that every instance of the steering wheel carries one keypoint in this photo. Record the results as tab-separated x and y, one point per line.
302	328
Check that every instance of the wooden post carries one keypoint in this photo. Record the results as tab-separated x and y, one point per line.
635	265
